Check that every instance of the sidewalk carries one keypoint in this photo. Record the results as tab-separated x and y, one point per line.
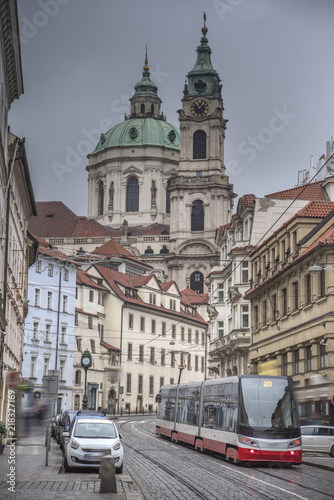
317	460
24	463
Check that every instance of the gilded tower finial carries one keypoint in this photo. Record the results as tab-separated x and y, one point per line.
146	66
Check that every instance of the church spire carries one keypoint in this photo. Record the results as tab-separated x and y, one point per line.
203	79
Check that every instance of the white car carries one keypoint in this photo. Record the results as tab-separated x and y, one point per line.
92	439
319	438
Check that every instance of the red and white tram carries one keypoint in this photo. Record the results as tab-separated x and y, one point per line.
249	418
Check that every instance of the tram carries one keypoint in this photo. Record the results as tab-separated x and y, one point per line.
247	418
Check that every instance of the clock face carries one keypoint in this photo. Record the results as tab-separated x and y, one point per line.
85	361
199	108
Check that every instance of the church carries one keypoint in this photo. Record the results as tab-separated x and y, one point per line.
163	192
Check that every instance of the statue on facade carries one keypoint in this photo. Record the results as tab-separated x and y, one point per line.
153	194
125	226
111	196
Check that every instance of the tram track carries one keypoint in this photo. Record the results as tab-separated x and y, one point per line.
250	489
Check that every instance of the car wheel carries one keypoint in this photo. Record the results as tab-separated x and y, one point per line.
332	451
119	470
66	467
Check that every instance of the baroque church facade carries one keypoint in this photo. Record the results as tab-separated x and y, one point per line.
164	187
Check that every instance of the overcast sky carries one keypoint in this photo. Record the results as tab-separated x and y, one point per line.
82	58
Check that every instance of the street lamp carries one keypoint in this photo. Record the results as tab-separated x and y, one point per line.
86	363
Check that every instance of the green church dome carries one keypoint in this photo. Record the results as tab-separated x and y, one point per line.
140	132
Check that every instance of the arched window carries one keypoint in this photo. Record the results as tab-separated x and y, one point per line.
152	109
77	402
197	216
199	145
78	377
142	108
196	282
100	203
168	198
132	195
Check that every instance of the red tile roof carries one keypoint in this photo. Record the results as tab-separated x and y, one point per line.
311	191
194	298
56	220
83	278
248	200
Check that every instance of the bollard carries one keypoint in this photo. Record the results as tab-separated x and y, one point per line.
107	475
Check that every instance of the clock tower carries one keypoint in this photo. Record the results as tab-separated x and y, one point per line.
201	197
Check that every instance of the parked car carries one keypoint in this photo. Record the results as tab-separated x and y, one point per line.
55	426
64	424
90	440
81	414
319	438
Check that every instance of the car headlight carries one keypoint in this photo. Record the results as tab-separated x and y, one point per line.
74	444
117	445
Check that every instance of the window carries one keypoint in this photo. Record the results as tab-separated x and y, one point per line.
33	364
182	360
203	338
163	330
153	325
297	361
50	270
37	297
256	317
322	288
140	384
244	272
100	200
62	369
49	300
79	343
168	197
323	355
163	357
189	362
220	329
142	324
309	358
99	298
172	361
47	332
38	266
128	383
172	304
152	355
189	335
245	316
197	337
46	366
152	298
196	363
162	381
91	295
130	351
197	216
171	381
221	292
92	345
274	306
63	335
295	293
308	289
173	331
65	301
132	195
35	330
66	274
141	354
100	329
151	386
202	364
77	377
284	302
182	333
90	322
264	312
199	145
130	320
284	364
196	282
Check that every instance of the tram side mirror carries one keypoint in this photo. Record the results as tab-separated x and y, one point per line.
158	398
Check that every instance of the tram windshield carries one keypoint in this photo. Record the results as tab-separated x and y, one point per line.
267	404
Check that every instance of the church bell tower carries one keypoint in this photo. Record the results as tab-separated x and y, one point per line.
201	197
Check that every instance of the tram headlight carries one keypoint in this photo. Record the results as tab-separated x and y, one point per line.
250	442
294	443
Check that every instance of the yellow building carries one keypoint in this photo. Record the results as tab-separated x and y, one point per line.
292	303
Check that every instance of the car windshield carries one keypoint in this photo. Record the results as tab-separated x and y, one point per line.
95	430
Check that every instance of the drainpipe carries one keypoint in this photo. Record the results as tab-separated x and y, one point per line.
124	305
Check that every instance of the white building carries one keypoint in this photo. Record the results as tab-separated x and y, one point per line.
50	323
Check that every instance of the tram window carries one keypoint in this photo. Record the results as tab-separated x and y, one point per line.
168	410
